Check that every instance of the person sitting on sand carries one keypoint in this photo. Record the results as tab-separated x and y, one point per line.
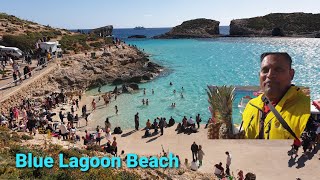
190	122
186	163
108	134
194	165
107	124
240	175
171	122
184	121
63	131
147	133
108	148
148	124
219	170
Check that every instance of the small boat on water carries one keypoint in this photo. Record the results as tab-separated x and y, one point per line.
139	28
243	103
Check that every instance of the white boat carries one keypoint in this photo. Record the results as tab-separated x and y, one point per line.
243	103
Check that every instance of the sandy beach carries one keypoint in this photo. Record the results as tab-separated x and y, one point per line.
267	159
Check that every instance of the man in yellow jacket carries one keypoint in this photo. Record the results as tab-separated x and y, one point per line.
259	122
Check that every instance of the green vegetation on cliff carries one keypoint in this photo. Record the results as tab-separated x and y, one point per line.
278	24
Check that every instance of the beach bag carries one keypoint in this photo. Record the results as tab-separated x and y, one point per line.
117	130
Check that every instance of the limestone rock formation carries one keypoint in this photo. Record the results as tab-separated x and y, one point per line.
197	28
137	36
103	31
278	24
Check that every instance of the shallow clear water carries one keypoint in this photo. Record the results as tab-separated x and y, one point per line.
194	64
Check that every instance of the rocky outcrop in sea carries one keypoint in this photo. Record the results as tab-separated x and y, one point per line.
278	24
197	28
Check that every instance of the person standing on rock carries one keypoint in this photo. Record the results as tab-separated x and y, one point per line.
136	121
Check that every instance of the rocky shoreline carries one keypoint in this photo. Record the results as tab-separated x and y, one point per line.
121	64
117	65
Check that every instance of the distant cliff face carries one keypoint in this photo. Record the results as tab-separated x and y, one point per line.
197	28
103	31
278	24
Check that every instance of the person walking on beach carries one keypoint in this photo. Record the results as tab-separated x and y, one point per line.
228	160
194	150
93	104
161	125
77	104
84	110
136	121
114	146
98	137
200	155
116	108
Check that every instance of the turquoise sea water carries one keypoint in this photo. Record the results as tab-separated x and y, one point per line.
196	63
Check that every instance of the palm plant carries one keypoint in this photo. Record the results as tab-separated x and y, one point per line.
221	99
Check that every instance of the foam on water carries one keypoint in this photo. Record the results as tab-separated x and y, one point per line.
194	64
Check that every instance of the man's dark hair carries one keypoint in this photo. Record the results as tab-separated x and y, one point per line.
284	54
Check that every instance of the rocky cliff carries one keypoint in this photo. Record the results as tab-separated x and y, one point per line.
117	65
103	31
197	28
278	24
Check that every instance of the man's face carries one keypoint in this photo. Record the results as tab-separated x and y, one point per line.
275	76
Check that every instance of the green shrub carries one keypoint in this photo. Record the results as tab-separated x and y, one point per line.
27	42
97	44
72	42
26	137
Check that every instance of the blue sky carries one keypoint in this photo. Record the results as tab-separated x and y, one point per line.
78	14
